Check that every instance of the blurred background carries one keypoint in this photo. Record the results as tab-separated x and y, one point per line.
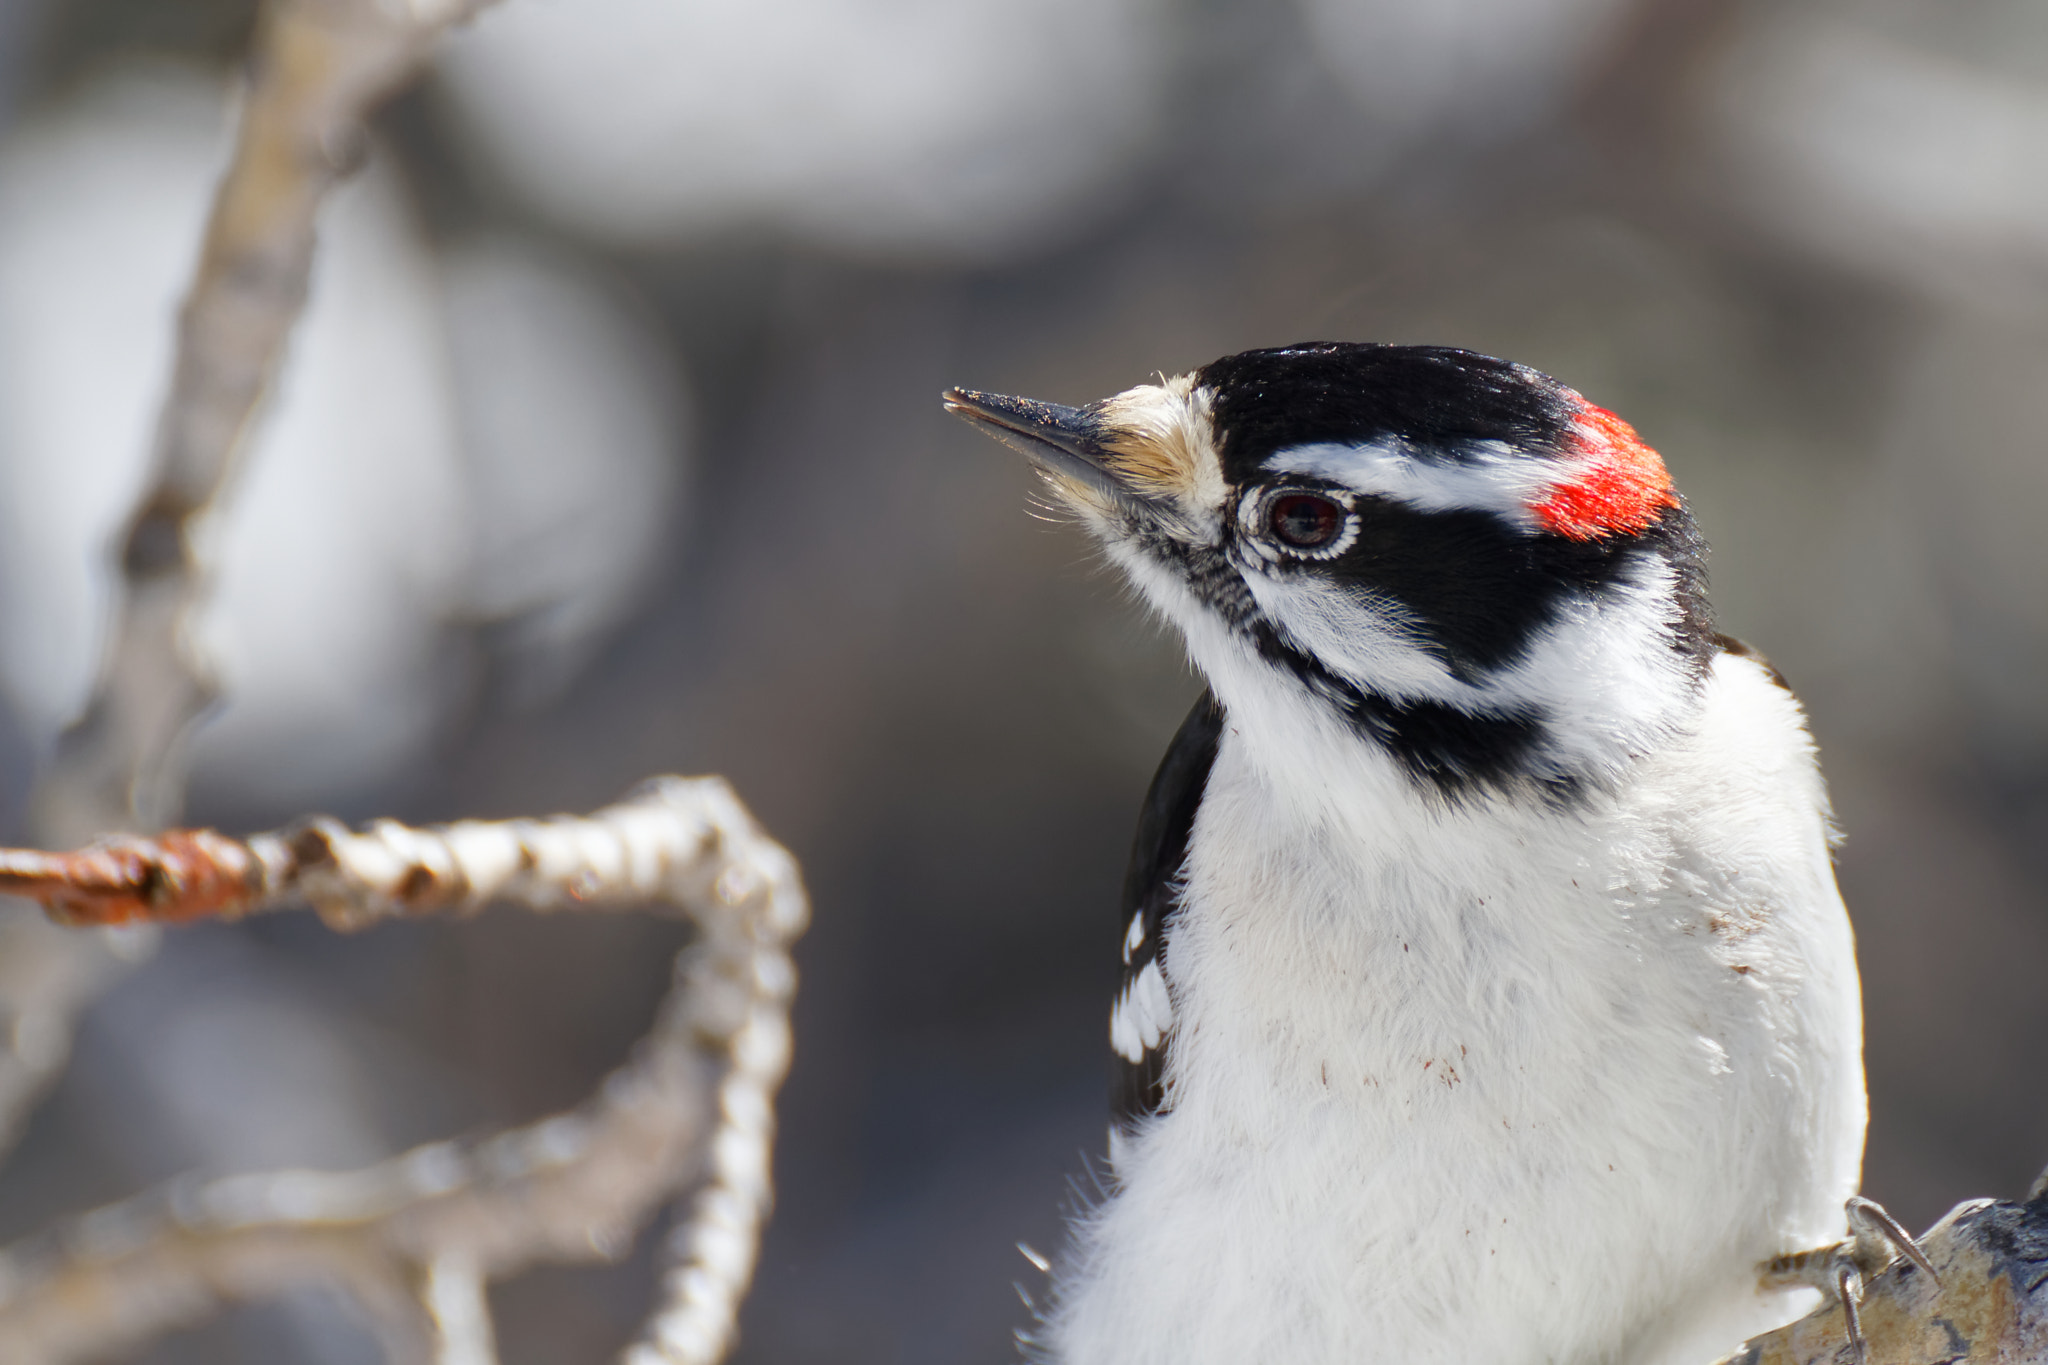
610	445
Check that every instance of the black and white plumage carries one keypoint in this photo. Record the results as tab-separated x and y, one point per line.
1142	1019
1487	995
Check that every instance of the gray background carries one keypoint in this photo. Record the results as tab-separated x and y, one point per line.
1820	301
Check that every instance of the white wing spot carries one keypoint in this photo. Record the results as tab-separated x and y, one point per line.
1156	1007
1123	1032
1143	1014
1134	936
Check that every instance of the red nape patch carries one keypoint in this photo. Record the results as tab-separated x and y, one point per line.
1618	485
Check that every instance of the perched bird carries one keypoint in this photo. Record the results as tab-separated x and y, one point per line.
1487	996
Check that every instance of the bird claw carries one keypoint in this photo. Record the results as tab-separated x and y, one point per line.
1849	1290
1878	1238
1875	1240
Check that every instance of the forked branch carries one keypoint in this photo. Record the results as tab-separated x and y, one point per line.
414	1239
317	69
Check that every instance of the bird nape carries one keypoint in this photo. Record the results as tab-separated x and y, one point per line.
1486	990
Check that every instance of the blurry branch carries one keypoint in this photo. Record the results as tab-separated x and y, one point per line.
46	977
1990	1308
317	69
415	1239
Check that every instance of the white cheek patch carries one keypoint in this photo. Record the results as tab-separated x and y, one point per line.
1605	671
1357	635
1487	476
1602	671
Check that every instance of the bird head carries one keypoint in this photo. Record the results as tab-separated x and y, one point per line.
1454	559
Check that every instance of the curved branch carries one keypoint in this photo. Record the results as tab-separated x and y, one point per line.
317	70
696	1099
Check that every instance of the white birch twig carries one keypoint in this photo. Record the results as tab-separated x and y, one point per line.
414	1239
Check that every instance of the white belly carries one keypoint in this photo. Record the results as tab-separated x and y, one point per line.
1549	1094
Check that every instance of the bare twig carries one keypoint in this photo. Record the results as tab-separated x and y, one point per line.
414	1239
1987	1304
318	68
47	976
462	1315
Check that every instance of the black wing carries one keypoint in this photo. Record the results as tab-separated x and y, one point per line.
1152	888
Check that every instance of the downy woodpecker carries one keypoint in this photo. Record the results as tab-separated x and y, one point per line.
1487	997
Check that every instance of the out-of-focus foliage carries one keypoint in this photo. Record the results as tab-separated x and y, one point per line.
1801	248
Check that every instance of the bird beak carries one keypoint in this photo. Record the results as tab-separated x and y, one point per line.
1060	441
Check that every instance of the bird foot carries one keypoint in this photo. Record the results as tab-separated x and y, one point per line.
1875	1240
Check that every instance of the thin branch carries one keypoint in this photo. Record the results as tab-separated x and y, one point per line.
413	1241
455	1297
318	68
47	976
695	1101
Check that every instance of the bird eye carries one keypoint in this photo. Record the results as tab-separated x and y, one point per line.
1305	521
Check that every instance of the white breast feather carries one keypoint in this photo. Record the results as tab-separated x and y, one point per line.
1510	1086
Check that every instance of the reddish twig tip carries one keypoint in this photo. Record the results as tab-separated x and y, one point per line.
178	876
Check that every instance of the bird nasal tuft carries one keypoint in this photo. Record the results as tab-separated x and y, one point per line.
1617	485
